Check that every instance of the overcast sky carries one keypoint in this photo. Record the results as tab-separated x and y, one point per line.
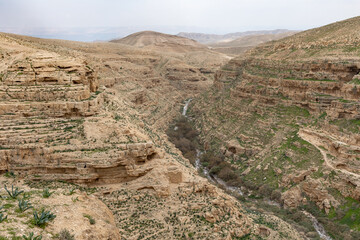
171	16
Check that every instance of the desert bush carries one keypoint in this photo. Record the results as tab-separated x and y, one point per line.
24	205
46	193
14	193
10	174
43	218
184	138
227	173
91	219
72	191
66	235
265	191
31	236
340	213
250	185
276	196
2	217
212	159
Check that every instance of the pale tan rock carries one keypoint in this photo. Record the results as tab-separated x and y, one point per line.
292	198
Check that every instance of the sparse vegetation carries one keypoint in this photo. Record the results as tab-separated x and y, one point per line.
13	193
31	236
24	205
2	217
91	219
46	193
42	218
355	81
72	191
10	174
66	235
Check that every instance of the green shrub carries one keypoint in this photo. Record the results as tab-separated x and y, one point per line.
46	193
24	205
276	196
14	193
72	191
10	174
117	117
43	218
32	237
2	217
91	219
265	191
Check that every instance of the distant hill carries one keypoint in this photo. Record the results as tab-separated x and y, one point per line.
155	40
214	38
242	44
336	40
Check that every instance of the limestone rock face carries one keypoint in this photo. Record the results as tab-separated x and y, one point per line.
292	198
316	193
43	96
289	109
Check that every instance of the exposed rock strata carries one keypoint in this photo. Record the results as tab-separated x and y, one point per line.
288	106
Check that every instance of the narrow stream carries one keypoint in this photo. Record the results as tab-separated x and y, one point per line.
318	227
214	179
187	102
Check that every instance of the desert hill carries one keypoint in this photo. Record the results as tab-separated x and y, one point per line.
335	40
217	38
285	117
151	40
242	44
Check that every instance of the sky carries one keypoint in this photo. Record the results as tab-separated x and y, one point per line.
89	20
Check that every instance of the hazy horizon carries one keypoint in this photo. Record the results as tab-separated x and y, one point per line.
108	19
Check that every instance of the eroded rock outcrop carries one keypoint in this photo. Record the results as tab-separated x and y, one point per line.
289	110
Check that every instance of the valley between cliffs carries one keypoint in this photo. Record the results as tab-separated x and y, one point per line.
85	122
95	134
282	123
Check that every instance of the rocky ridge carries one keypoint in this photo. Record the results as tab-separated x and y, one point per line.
286	114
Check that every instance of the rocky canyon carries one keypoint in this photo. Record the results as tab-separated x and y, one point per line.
95	144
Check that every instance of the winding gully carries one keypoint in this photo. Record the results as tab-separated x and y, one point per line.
215	180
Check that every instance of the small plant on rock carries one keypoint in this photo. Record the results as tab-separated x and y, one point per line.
14	193
10	174
72	191
66	235
91	219
32	237
40	219
46	193
2	217
24	205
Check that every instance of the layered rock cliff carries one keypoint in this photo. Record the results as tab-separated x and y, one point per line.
58	122
286	116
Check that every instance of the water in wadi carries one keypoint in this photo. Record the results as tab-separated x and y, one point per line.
214	179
